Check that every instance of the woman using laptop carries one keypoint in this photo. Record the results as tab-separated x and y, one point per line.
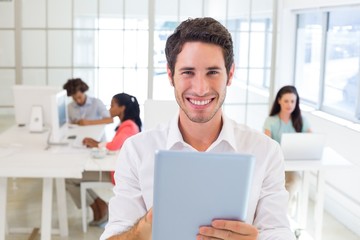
285	117
126	108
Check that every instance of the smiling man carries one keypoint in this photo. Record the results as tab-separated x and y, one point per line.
200	66
200	80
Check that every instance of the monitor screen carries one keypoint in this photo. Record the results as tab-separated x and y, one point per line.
61	106
58	116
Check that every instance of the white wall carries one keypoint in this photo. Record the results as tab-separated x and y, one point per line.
342	185
342	194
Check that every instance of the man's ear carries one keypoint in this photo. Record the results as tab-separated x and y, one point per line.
169	73
231	75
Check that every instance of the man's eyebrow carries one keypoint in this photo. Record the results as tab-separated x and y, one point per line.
186	69
214	68
192	68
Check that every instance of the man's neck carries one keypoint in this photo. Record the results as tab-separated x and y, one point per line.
200	135
80	105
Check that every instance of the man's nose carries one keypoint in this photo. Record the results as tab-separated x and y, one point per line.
201	86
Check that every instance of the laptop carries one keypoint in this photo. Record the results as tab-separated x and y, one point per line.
193	188
302	146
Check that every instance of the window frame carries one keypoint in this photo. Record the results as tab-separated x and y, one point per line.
319	104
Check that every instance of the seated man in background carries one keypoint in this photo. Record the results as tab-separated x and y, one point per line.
85	110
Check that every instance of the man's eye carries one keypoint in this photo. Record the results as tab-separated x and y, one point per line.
187	73
213	72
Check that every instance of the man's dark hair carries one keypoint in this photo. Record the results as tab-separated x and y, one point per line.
206	30
74	85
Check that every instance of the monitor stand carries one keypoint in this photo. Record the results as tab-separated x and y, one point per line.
51	142
36	124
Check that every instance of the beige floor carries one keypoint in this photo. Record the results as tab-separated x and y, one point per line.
24	210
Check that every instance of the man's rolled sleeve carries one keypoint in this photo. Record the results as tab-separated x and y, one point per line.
271	214
127	206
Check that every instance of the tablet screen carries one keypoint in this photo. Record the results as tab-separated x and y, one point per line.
193	188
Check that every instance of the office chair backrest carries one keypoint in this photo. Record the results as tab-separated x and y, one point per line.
159	111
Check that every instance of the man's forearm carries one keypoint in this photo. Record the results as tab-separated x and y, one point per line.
128	235
140	231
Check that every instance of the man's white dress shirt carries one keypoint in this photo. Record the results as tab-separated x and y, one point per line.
135	171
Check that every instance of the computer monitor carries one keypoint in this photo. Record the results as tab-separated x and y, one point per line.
49	105
58	117
27	98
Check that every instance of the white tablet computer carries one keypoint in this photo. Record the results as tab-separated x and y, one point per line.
193	188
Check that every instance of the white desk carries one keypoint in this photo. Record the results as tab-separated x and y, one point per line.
105	164
330	159
24	155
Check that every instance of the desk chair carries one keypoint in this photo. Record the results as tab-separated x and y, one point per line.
83	187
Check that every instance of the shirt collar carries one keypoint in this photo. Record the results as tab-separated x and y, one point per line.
227	134
174	134
89	100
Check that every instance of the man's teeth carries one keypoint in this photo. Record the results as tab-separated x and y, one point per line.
200	103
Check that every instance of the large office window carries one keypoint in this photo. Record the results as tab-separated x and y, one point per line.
327	60
308	55
7	52
110	46
341	86
106	43
250	25
248	96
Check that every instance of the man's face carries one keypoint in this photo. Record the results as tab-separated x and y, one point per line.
200	80
79	98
